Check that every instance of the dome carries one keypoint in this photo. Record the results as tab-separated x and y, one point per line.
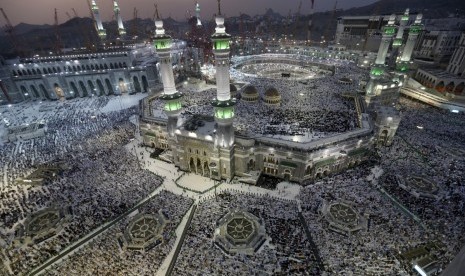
250	90
250	94
272	92
272	97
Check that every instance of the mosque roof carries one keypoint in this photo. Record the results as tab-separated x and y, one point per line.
250	90
272	92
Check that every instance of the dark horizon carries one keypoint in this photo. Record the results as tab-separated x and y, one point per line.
20	11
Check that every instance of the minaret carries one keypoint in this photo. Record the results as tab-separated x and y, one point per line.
223	104
415	30
170	96
400	32
121	30
197	14
398	40
102	33
377	70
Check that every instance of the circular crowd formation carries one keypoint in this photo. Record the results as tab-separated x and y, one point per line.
42	222
240	228
343	213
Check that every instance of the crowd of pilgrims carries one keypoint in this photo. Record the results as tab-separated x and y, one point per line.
429	144
369	251
287	250
101	179
314	108
107	255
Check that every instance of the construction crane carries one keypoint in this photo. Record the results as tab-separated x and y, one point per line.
134	24
58	44
310	24
288	24
9	30
75	13
326	33
242	32
296	23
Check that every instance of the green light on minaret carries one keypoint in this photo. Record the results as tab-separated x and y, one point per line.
376	71
397	42
224	112
173	105
221	44
162	43
389	30
415	29
402	67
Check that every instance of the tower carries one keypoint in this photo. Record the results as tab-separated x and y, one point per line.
398	40
102	33
413	33
170	96
121	30
378	68
223	104
197	14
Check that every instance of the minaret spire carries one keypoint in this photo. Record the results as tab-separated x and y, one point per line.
156	12
170	96
98	21
197	13
223	104
119	19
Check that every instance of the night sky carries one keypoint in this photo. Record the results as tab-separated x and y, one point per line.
42	11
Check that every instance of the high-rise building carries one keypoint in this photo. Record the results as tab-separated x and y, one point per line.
457	63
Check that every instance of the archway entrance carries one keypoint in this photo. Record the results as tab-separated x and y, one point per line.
136	84
44	91
450	87
145	84
122	86
58	91
199	166
93	90
459	88
206	169
251	165
26	95
74	92
287	175
109	87
100	88
192	165
83	89
440	87
35	92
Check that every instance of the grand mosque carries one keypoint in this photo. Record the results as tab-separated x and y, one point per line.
212	143
245	129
